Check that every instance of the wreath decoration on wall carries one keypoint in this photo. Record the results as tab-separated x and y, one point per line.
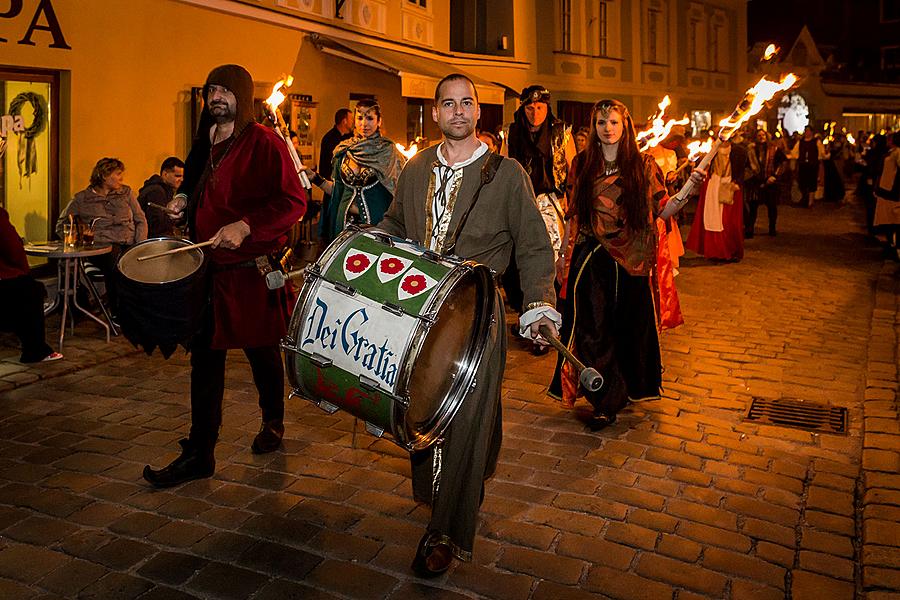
26	158
38	105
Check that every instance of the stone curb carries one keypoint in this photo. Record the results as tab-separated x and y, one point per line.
880	494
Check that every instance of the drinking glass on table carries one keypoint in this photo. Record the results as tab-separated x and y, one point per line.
70	236
87	235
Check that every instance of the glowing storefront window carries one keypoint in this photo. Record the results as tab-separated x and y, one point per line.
793	113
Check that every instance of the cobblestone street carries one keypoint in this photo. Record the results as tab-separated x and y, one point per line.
680	499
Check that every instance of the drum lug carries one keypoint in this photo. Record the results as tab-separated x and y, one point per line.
433	256
323	362
326	406
393	309
289	345
344	288
368	384
374	429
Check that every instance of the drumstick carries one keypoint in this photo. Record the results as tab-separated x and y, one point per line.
175	250
157	206
588	377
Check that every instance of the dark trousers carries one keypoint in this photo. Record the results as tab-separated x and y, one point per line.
208	387
512	286
22	312
767	195
469	451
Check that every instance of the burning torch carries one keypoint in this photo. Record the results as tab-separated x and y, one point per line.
277	120
660	128
750	104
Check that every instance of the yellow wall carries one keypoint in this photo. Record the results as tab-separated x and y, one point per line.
131	68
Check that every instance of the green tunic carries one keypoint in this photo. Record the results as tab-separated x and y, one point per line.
505	217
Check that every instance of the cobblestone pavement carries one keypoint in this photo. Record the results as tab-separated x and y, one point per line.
681	498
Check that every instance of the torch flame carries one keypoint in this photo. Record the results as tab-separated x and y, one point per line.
850	138
771	51
698	148
753	102
407	152
277	96
659	128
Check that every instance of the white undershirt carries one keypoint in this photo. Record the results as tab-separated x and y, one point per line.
445	175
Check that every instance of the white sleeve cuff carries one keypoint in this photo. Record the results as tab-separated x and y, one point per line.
534	315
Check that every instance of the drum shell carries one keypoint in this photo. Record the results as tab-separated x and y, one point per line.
163	314
414	414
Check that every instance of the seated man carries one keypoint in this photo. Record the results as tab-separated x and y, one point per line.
157	192
21	297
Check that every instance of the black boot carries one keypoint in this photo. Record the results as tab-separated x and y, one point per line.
194	463
432	559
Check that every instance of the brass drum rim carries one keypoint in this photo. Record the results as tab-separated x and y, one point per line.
196	252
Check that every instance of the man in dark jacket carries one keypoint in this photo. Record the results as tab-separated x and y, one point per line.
158	191
342	130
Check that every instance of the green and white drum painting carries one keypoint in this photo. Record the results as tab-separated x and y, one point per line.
390	332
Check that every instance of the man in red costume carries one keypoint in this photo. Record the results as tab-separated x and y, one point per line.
240	191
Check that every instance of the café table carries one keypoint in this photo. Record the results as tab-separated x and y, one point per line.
70	270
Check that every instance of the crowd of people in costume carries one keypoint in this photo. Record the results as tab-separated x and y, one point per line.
569	222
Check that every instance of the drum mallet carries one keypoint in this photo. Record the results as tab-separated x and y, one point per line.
277	278
589	378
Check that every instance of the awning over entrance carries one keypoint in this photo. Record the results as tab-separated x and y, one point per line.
418	75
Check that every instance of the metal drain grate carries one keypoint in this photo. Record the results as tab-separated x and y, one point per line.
810	416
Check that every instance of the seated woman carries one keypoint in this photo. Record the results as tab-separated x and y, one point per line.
117	219
613	324
364	174
21	297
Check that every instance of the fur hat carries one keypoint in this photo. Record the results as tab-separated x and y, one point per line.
534	93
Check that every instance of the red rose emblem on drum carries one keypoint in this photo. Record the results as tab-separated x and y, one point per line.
413	284
358	263
391	266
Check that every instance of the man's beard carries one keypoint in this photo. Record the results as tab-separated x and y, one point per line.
221	116
458	134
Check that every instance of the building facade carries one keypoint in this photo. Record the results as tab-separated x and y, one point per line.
94	78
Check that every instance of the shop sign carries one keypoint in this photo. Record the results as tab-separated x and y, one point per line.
10	123
43	19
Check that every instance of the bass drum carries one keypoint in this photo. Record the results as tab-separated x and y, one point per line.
162	300
390	332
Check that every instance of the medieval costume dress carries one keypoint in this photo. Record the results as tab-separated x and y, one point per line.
718	229
611	283
449	476
370	187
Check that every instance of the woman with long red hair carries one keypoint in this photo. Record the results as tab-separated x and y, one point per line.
612	326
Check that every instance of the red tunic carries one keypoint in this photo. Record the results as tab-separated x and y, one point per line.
255	182
13	262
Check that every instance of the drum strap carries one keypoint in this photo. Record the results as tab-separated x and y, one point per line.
488	170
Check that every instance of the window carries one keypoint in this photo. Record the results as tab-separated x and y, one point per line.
693	35
29	150
422	3
653	19
890	11
565	15
714	31
890	58
602	31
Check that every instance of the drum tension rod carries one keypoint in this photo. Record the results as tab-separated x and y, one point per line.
344	288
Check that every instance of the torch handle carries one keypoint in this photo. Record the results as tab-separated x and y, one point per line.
678	201
283	132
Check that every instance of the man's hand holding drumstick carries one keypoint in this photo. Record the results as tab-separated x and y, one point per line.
230	236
